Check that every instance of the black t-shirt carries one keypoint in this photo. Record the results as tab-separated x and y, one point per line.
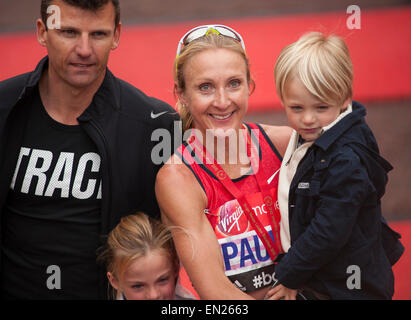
51	221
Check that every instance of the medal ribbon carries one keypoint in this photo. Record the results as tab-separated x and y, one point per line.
272	248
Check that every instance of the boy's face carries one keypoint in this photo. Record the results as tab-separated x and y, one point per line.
308	115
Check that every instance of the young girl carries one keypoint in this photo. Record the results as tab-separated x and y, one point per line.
331	181
142	263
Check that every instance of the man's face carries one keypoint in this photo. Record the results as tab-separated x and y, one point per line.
79	50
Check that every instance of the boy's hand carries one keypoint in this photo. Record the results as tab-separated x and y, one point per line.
279	292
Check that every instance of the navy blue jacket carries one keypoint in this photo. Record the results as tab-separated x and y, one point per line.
335	220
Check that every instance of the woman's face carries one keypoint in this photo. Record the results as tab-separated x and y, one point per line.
217	89
150	277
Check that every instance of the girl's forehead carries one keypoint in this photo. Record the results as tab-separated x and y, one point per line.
150	266
154	257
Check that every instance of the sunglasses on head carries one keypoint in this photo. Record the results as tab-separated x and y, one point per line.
202	31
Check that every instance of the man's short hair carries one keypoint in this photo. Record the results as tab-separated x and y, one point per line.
92	5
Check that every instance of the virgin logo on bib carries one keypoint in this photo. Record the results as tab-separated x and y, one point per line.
245	257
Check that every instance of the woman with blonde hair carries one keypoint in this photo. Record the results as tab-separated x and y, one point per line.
220	186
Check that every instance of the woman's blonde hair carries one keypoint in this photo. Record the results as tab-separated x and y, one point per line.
323	65
209	41
134	237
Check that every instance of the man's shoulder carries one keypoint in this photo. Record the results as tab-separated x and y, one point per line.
128	91
135	102
11	89
14	83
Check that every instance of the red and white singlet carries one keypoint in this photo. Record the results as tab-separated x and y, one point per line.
247	262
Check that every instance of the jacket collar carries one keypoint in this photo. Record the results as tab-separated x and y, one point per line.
35	76
332	134
108	95
109	90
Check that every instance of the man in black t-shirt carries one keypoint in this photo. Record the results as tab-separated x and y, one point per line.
75	155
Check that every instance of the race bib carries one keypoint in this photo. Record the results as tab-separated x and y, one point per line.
247	262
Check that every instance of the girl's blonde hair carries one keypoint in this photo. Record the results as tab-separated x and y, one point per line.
323	65
209	41
134	237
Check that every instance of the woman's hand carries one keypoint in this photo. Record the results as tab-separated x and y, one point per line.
279	292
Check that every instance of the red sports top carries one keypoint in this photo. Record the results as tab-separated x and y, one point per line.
247	263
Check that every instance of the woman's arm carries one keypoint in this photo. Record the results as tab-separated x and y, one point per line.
279	136
182	202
